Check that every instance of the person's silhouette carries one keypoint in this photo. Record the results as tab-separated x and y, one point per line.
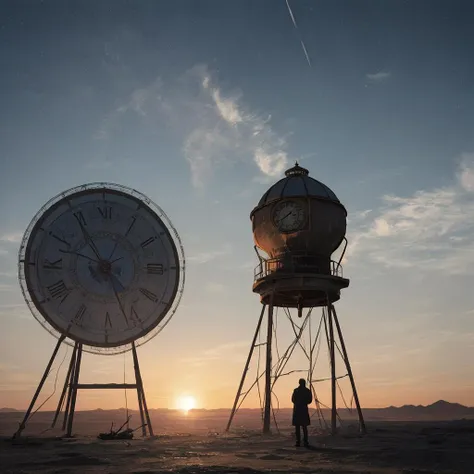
301	398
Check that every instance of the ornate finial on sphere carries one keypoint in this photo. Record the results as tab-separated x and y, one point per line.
297	170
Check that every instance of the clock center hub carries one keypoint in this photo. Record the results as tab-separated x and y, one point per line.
114	271
105	267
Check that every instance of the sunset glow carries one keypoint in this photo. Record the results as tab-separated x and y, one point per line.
186	403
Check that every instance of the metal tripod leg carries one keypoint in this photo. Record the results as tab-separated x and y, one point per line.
333	372
40	386
69	392
72	407
268	371
349	372
141	394
246	368
66	384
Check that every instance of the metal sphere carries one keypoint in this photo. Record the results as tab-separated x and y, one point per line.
300	216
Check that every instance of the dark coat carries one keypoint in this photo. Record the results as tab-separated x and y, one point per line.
301	398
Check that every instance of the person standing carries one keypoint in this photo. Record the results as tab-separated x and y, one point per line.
301	398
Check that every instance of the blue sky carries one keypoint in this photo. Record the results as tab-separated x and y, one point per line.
202	106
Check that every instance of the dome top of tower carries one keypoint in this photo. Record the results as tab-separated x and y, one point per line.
297	182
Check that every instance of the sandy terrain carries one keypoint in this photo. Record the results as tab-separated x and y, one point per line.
196	447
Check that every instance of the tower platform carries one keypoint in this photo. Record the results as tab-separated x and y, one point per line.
300	287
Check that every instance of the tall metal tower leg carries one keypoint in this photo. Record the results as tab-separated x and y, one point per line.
333	372
66	384
40	386
139	389
246	368
349	372
268	371
72	407
69	391
140	405
141	392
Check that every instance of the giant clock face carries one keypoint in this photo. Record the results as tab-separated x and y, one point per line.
101	266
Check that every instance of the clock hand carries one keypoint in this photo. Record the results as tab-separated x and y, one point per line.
116	260
284	217
89	240
79	255
113	251
112	279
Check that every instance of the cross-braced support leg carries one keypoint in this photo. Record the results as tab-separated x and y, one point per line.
246	368
69	416
40	386
144	414
67	382
349	370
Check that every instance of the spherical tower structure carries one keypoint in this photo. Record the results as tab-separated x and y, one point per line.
299	223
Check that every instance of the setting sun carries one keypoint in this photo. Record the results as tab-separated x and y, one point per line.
186	403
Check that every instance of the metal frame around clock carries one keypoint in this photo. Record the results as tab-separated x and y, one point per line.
71	384
174	237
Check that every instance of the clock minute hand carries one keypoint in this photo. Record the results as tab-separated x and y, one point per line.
284	217
112	279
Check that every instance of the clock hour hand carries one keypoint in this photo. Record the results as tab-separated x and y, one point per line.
80	255
89	240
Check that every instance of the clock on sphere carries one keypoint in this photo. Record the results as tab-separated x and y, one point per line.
101	267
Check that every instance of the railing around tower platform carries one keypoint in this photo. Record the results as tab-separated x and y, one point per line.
308	264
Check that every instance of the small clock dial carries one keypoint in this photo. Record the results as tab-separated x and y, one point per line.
101	267
289	216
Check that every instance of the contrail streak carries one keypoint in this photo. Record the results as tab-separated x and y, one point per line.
306	53
291	14
290	11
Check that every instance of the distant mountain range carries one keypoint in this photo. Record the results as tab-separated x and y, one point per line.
440	410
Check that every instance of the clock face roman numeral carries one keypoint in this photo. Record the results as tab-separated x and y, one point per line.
105	212
134	317
80	218
149	294
58	290
147	242
54	236
108	322
78	317
154	268
56	265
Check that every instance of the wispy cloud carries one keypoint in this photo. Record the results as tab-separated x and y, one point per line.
429	230
216	127
227	127
379	76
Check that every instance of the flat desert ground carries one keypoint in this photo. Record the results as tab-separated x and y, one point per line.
196	443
